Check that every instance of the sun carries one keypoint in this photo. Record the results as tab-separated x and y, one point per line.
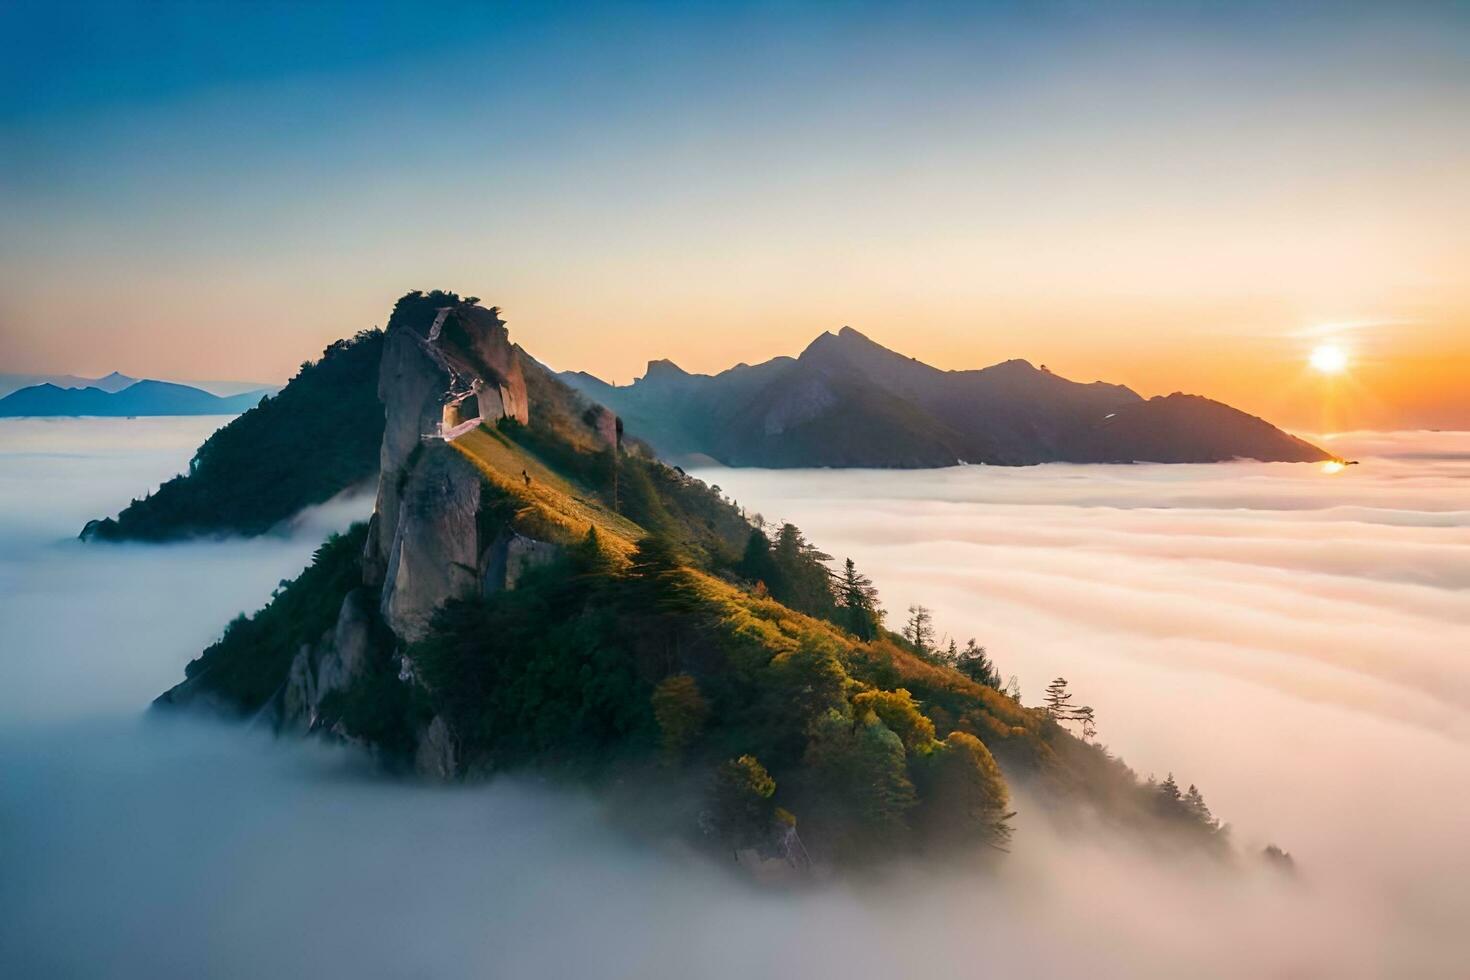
1329	359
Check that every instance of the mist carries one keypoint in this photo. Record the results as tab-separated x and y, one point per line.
1292	642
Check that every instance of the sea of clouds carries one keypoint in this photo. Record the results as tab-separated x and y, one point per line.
1292	641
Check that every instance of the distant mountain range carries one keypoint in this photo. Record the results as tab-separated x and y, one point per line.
117	381
119	395
850	402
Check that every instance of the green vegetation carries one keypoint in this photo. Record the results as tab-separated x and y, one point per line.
318	437
671	639
247	666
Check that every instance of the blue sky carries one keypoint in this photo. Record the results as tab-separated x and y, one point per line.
720	182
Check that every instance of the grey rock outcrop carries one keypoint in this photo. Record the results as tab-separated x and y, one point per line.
436	756
435	554
465	352
412	388
509	557
333	664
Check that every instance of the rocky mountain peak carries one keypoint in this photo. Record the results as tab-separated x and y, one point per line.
665	370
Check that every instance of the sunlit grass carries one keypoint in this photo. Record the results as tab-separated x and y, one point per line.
552	507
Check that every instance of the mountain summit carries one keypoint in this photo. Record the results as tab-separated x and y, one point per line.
534	592
849	401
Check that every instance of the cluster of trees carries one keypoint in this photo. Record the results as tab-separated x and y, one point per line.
318	437
1182	806
591	658
791	569
972	659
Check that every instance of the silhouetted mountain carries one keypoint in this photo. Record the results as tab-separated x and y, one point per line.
138	398
112	382
847	401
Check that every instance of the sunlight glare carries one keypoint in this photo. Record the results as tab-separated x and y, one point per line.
1329	359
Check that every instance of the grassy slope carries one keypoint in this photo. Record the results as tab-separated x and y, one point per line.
753	636
552	507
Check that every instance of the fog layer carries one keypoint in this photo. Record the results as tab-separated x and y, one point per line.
1293	643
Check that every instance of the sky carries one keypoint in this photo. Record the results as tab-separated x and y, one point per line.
1179	196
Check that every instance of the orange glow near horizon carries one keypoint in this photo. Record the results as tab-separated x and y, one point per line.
1169	207
1409	375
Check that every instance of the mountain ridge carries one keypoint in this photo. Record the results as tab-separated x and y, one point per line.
138	398
533	590
846	400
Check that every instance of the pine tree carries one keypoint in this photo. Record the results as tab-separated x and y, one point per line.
1194	802
976	664
919	630
1084	714
859	601
804	582
757	565
1060	708
1058	699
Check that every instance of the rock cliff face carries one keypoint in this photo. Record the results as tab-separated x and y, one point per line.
445	526
331	665
434	555
424	546
464	349
428	542
411	387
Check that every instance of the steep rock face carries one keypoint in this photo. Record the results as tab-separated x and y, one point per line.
412	387
333	664
464	349
434	556
509	557
606	424
436	756
476	342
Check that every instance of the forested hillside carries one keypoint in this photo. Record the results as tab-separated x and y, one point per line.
318	437
605	617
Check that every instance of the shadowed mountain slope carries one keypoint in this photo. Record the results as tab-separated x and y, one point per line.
847	401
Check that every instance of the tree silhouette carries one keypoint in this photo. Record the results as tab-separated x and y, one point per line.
858	600
976	664
919	630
